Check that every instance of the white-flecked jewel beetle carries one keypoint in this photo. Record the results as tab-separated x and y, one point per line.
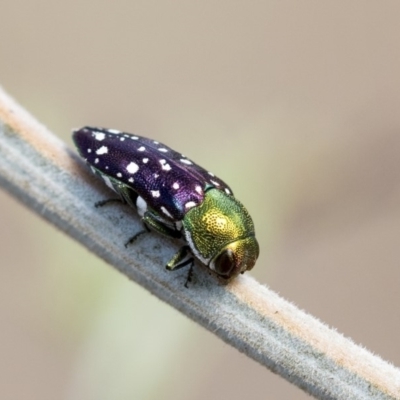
175	197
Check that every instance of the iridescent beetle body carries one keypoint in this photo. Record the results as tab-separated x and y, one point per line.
175	197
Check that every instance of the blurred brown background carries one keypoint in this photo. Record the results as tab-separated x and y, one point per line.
295	104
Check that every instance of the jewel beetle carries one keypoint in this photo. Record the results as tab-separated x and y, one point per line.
175	197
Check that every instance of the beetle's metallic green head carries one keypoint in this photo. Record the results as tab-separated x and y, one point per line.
220	233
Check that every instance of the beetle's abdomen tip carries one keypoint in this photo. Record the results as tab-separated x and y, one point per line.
82	138
85	130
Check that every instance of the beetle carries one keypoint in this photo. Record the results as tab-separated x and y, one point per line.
174	197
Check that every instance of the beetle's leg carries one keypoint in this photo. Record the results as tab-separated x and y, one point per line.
184	264
190	273
127	195
177	262
136	235
102	203
152	222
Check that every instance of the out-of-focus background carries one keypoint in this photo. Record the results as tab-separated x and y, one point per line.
295	104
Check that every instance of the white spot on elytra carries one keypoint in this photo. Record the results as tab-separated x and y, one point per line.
155	142
185	161
132	167
102	150
122	139
114	131
214	183
198	189
89	150
141	206
145	160
175	185
130	180
119	174
210	173
134	138
227	191
106	166
162	149
156	176
99	136
155	193
190	204
164	165
166	212
96	160
141	148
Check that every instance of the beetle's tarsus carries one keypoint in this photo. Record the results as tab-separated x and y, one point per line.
190	274
102	203
135	236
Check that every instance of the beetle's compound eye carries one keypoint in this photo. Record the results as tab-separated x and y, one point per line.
225	263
